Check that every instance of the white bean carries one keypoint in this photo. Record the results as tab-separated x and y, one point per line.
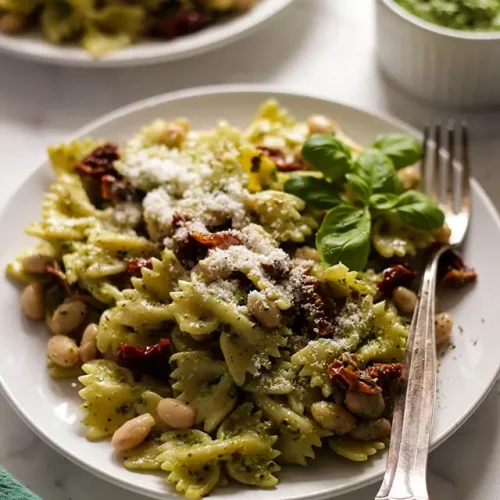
172	135
36	263
307	253
405	299
333	417
32	301
442	234
367	430
444	326
63	351
88	345
68	317
365	405
265	311
319	124
176	414
132	433
409	177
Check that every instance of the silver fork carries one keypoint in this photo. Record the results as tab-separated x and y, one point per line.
405	475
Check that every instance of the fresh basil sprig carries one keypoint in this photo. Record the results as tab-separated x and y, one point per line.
401	149
417	210
328	154
316	192
377	170
344	235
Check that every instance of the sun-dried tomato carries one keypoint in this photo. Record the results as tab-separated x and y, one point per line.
116	189
349	378
385	373
55	272
134	266
222	239
454	272
178	219
319	313
152	360
190	246
280	160
183	22
277	269
100	162
396	275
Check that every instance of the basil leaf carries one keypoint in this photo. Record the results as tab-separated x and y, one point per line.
417	210
377	171
344	237
315	192
362	189
328	155
402	150
384	202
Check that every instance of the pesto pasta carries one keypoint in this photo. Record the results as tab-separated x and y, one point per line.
230	300
105	26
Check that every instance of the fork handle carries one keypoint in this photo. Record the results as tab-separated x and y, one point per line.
405	476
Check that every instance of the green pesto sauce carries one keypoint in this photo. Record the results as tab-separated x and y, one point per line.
466	15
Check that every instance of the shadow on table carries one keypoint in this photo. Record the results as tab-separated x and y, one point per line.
79	95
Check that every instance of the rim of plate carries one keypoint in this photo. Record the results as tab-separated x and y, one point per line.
210	38
437	28
243	89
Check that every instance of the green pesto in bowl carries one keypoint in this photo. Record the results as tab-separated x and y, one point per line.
466	15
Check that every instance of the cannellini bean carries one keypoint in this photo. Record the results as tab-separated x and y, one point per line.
172	135
63	351
132	433
367	430
444	326
88	344
365	405
176	414
442	235
405	299
319	124
32	302
36	263
184	123
409	177
264	310
333	417
68	317
12	23
307	253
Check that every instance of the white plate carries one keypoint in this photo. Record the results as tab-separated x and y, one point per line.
51	408
33	46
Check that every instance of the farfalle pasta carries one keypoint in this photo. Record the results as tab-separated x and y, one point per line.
208	304
110	25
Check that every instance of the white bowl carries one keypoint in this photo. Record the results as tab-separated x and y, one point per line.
442	65
51	408
34	47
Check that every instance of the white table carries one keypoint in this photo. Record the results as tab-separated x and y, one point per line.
324	47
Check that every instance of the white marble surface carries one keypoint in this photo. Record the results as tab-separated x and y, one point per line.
324	47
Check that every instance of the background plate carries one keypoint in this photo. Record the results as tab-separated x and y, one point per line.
466	372
33	46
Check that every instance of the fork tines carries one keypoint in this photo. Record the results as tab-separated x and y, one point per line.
446	177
